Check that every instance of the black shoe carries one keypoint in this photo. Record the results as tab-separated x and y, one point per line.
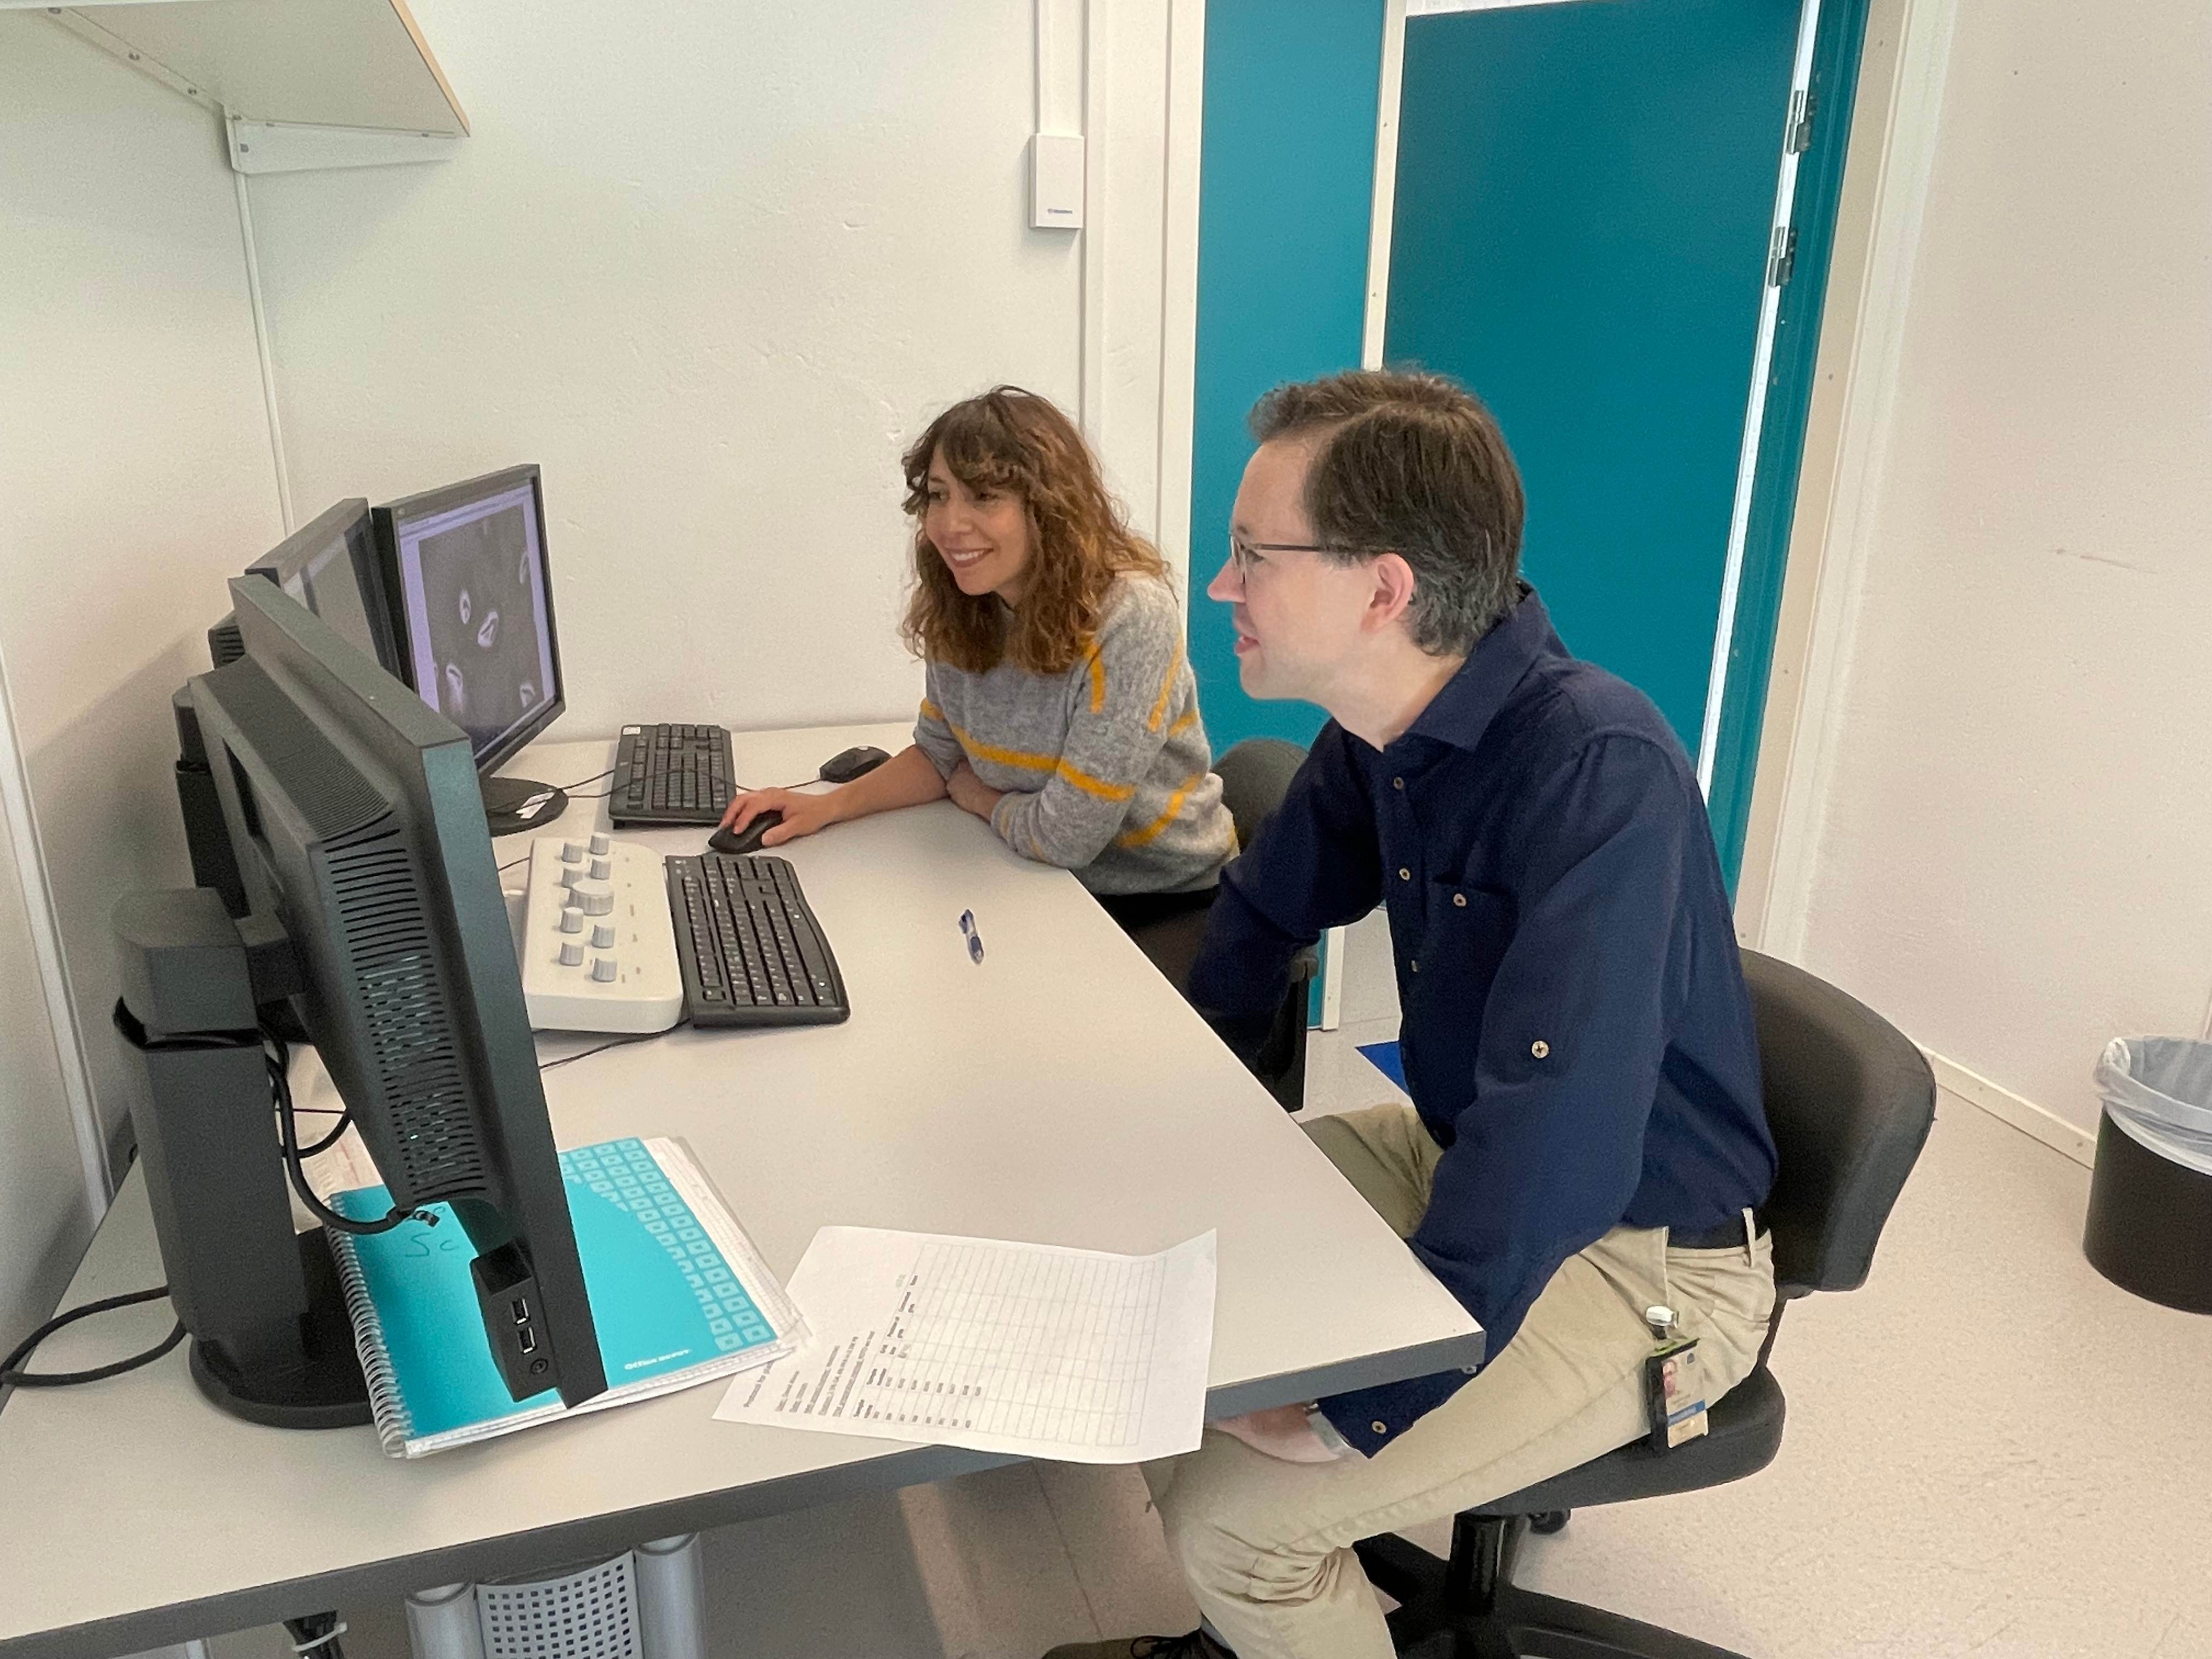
1196	1645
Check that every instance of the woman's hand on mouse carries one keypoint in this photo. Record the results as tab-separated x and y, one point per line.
803	813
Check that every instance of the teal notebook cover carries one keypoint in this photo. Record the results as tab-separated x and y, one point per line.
666	1268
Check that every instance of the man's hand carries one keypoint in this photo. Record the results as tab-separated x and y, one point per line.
970	794
1279	1431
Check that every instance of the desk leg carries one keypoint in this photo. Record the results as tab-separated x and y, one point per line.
671	1599
194	1650
442	1623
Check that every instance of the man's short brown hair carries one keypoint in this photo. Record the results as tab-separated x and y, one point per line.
1411	463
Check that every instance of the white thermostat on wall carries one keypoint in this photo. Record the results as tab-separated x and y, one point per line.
1055	181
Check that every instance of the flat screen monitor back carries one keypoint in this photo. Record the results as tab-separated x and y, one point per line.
359	832
330	567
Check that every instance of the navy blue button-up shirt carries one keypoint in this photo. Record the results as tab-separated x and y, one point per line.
1575	1033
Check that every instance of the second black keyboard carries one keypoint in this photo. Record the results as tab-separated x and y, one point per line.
750	948
673	773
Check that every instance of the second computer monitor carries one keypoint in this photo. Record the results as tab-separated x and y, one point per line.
473	595
330	567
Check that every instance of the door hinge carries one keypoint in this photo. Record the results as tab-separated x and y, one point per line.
1797	130
1782	255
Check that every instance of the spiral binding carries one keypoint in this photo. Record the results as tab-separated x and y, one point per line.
395	1423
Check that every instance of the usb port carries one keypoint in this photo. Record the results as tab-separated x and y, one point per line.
528	1339
521	1310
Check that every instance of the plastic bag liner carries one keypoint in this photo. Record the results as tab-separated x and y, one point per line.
2159	1091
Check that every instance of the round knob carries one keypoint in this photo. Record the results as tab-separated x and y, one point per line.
569	877
601	869
603	936
603	968
572	953
602	845
600	901
572	919
572	852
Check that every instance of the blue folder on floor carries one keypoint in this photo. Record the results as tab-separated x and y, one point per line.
678	1295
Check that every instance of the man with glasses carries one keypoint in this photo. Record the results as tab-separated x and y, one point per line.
1586	1143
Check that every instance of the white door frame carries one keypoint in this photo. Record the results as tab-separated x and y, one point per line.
1895	127
1781	234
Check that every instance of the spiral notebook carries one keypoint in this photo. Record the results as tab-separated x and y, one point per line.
678	1295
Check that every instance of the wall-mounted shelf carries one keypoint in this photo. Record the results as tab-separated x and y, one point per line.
298	83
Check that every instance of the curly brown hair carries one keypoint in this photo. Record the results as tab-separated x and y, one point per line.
1015	441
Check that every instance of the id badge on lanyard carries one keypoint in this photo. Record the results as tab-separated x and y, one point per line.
1674	1383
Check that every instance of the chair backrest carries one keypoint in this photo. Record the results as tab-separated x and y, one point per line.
1255	775
1850	1101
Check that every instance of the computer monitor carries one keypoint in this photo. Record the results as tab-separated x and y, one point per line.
373	907
473	604
330	567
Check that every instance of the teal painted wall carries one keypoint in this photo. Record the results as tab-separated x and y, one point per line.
1285	189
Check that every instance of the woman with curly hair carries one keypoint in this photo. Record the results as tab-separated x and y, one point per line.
1059	706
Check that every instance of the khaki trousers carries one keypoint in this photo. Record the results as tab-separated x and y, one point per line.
1267	1545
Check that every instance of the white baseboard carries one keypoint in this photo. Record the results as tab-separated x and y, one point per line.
2024	1115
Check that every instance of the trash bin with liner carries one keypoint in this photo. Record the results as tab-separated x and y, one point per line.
2149	1229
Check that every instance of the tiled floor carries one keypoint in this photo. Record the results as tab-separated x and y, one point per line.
1991	1452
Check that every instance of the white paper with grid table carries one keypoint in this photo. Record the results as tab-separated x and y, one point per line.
1035	1350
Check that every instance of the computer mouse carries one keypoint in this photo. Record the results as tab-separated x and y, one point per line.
747	840
849	763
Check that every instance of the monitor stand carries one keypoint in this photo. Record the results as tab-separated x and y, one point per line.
272	1341
317	1382
515	805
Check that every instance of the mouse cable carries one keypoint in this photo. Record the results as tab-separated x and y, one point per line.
612	1043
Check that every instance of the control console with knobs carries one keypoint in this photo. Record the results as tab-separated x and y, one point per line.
598	947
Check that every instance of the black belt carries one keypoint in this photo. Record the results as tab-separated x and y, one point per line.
1728	1236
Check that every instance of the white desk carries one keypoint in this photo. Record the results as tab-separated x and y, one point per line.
1060	1091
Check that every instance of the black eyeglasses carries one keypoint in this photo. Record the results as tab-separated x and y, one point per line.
1244	554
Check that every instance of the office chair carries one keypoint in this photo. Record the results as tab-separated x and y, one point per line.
1255	775
1850	1101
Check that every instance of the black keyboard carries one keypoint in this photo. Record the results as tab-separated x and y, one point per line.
750	951
671	775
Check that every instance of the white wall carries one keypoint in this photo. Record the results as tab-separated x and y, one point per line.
135	474
45	1210
2012	840
713	267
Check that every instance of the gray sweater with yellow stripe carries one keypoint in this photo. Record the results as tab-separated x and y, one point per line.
1106	768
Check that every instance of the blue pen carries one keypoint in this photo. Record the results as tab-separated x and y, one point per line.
975	938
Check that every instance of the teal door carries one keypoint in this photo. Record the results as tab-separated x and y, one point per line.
1585	197
1585	194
